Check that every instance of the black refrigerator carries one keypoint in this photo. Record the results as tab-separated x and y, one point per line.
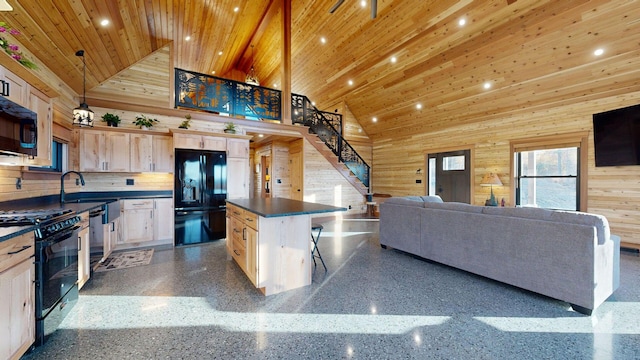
200	193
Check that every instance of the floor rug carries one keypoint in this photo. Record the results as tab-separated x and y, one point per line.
123	260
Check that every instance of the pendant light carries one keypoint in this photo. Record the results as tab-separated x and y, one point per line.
82	115
251	76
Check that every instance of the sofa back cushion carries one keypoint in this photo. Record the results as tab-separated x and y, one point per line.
454	206
407	201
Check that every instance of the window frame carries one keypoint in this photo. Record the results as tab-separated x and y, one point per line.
579	140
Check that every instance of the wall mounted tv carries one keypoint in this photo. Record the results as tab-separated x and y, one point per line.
616	137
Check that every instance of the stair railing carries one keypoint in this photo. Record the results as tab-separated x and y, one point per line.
328	127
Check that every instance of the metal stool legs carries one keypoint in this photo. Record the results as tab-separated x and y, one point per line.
315	252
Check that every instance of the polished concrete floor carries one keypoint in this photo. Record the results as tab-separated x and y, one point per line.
192	303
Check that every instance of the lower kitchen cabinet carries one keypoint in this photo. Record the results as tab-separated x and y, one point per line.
145	222
17	286
84	253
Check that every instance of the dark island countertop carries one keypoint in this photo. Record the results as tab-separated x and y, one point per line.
273	207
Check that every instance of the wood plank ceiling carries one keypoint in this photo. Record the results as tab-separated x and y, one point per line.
533	53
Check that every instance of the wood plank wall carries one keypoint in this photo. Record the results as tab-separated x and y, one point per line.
612	191
318	173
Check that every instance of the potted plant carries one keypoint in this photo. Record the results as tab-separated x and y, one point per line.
144	122
185	124
111	119
230	127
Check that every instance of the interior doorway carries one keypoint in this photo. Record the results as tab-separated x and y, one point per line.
449	175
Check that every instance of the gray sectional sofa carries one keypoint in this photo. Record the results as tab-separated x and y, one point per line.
569	256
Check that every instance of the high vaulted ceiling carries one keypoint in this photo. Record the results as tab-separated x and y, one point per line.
533	54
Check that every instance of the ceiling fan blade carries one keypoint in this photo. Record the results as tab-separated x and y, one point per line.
374	8
334	7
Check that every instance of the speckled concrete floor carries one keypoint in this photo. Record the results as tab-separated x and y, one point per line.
191	303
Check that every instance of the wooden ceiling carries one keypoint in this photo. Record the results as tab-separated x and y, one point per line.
535	54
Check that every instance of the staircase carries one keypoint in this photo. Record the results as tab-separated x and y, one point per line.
325	135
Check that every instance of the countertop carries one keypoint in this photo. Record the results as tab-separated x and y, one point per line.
273	207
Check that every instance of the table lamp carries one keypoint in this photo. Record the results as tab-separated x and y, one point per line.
491	179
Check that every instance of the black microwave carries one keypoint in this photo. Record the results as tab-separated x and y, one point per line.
18	129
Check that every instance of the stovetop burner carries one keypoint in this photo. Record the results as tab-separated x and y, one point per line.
29	217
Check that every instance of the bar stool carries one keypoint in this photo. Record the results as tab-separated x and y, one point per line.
315	252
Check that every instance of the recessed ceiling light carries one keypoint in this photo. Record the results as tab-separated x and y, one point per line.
350	82
313	103
363	3
187	38
213	72
598	52
275	85
394	59
418	106
487	85
219	52
462	22
260	135
104	22
323	40
374	119
359	130
236	9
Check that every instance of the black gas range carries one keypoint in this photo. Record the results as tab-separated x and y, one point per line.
56	263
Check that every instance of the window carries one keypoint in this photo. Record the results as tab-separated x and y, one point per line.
548	178
58	158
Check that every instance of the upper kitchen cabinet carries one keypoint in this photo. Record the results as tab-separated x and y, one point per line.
151	153
41	105
18	88
238	148
199	142
104	151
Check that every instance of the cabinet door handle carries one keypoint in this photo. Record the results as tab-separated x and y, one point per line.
79	243
236	213
25	247
236	252
244	234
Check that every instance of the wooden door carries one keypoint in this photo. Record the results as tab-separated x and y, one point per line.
17	313
141	153
137	221
450	174
163	157
41	105
92	149
237	178
251	237
163	219
297	173
117	152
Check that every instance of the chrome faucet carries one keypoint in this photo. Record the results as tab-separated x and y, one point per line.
62	183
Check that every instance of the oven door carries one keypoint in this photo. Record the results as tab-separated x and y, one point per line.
56	269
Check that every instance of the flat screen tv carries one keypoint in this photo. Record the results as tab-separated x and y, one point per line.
616	135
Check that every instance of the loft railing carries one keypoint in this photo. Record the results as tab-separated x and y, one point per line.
328	127
210	93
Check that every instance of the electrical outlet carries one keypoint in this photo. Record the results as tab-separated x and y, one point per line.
77	182
349	207
18	183
418	181
129	181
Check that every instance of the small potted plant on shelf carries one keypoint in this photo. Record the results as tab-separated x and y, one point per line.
229	127
111	119
185	124
144	122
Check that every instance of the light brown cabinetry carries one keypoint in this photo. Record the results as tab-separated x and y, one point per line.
238	168
242	235
151	153
104	235
18	88
84	252
102	151
199	142
146	222
17	286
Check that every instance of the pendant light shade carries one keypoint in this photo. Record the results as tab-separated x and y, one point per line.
252	78
82	115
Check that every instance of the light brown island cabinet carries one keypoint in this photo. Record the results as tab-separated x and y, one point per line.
104	151
17	286
151	153
84	252
270	239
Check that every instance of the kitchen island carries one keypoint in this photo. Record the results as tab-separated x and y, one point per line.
270	239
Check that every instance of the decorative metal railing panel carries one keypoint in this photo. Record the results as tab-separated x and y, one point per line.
204	92
328	127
